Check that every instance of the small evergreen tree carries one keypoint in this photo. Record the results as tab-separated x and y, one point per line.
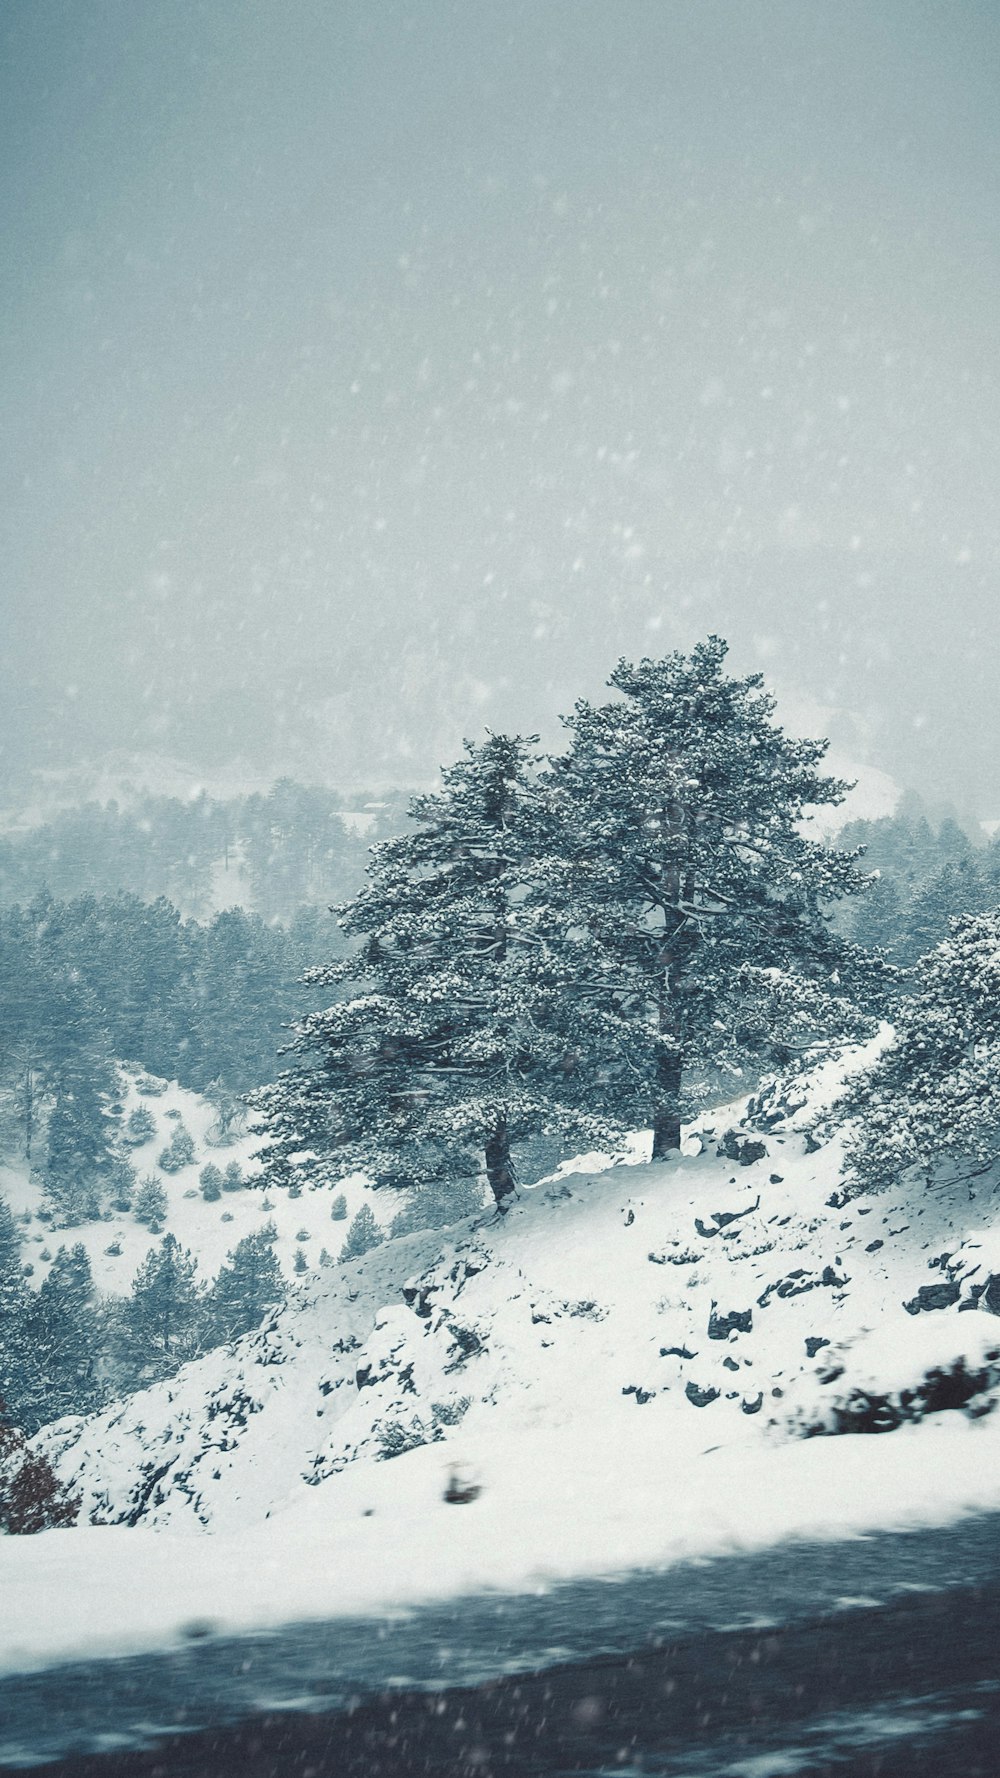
363	1234
68	1337
247	1286
163	1316
122	1180
210	1180
150	1202
139	1126
338	1209
232	1179
180	1151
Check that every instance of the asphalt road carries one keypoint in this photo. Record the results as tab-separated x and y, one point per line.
652	1674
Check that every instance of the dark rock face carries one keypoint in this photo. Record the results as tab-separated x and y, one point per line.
744	1149
933	1296
700	1398
990	1298
721	1326
814	1344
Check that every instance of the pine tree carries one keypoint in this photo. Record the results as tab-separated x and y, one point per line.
19	1382
363	1234
456	1046
247	1286
685	886
232	1178
68	1337
179	1152
140	1126
150	1202
210	1180
934	1094
162	1317
122	1180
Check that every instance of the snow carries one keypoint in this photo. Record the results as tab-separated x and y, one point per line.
301	1472
211	1230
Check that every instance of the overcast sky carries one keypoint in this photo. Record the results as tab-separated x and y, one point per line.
377	369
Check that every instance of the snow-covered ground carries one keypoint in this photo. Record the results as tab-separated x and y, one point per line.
624	1364
117	1246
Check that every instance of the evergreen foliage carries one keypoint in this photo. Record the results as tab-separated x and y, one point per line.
161	1320
456	1044
139	1127
934	1094
150	1202
695	904
210	1180
248	1285
65	1324
363	1234
179	1151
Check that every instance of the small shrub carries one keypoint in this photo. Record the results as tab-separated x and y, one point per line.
32	1498
338	1209
232	1178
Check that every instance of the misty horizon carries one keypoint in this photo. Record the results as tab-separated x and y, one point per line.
374	376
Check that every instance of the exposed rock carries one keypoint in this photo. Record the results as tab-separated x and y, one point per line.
700	1398
745	1149
721	1326
933	1296
676	1352
814	1344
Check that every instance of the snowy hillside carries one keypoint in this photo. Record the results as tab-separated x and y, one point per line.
624	1365
117	1244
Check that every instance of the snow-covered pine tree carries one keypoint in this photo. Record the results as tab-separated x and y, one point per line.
247	1286
455	1041
66	1329
19	1384
161	1320
934	1093
690	901
363	1234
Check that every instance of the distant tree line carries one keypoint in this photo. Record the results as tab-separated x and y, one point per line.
924	877
66	1350
297	845
89	982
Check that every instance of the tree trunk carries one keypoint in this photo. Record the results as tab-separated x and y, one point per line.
667	1107
499	1167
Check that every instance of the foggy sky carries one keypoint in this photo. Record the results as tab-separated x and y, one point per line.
377	369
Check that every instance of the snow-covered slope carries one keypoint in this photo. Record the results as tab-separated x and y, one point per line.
117	1246
624	1365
